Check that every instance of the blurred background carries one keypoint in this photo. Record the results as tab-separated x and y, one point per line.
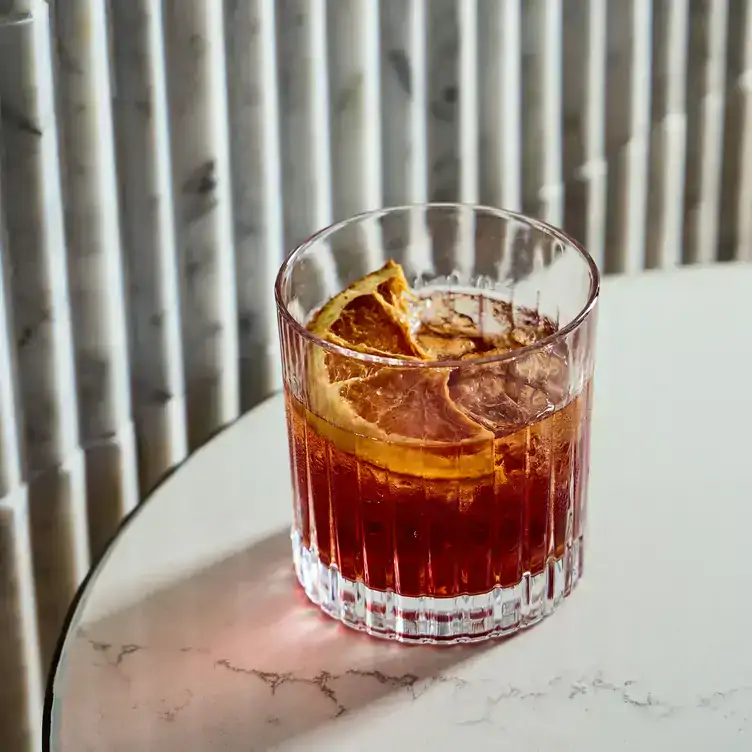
160	157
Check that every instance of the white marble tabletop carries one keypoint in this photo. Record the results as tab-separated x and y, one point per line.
192	635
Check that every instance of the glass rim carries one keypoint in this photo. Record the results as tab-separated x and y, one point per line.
386	360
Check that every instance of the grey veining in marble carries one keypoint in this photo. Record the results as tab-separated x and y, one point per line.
280	695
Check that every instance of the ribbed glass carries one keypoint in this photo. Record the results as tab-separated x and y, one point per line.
434	537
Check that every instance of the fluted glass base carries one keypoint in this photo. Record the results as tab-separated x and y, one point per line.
465	618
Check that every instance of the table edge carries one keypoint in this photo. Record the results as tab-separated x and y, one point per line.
81	594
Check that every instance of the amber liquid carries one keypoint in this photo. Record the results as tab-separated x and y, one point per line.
440	538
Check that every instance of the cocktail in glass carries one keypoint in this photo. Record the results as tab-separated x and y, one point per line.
437	364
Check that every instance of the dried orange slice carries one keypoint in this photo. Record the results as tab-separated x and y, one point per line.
399	418
370	315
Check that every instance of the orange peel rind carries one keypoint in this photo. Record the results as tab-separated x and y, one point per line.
398	418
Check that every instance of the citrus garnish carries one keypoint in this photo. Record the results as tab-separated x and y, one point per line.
399	418
370	316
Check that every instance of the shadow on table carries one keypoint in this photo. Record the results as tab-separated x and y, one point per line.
239	654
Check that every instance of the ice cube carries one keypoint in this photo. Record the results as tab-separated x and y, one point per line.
481	393
498	398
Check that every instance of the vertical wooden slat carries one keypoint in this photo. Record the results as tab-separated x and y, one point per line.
257	189
149	246
197	89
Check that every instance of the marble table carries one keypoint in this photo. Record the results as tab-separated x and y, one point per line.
191	634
